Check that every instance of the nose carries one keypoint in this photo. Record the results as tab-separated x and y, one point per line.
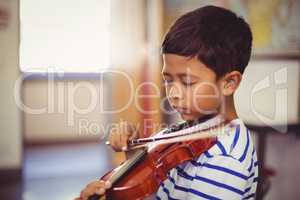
175	91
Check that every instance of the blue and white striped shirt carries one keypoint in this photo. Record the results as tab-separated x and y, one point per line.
228	170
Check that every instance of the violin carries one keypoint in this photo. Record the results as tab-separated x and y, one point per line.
141	175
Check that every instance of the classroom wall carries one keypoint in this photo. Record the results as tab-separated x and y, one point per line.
65	109
127	59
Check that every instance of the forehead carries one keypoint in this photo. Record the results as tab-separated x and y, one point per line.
174	64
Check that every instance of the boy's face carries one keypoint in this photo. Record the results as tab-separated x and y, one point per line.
191	87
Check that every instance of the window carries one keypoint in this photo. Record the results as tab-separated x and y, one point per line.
64	35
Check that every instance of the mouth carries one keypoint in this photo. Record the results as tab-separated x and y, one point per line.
182	110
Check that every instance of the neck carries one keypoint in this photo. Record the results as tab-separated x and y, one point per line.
201	120
228	109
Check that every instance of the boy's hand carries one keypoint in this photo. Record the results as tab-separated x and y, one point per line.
96	187
119	136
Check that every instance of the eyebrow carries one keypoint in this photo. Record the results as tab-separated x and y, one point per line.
181	75
165	73
189	75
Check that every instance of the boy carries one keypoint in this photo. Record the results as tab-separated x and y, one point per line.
205	53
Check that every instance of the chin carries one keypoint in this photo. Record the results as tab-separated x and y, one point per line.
186	117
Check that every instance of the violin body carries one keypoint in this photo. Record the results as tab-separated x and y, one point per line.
145	176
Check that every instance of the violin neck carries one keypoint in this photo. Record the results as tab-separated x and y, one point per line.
127	165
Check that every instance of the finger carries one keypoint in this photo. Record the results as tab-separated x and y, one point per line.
91	189
108	184
116	141
97	183
129	134
124	142
111	132
133	131
101	191
119	140
87	193
110	138
134	135
113	141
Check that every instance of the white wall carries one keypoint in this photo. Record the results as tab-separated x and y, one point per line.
10	126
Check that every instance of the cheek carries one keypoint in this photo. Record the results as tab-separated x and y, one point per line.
205	97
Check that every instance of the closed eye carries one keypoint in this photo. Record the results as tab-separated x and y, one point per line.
167	81
188	83
167	78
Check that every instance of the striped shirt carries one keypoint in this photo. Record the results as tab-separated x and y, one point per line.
228	170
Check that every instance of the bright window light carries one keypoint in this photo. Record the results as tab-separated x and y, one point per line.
64	35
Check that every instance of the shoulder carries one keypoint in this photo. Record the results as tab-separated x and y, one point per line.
236	144
231	155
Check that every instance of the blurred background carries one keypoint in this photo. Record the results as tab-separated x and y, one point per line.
69	70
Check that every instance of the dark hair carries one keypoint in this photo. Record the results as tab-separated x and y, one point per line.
216	36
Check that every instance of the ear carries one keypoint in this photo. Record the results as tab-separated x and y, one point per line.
230	82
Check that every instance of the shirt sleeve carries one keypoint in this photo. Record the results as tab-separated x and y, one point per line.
220	177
